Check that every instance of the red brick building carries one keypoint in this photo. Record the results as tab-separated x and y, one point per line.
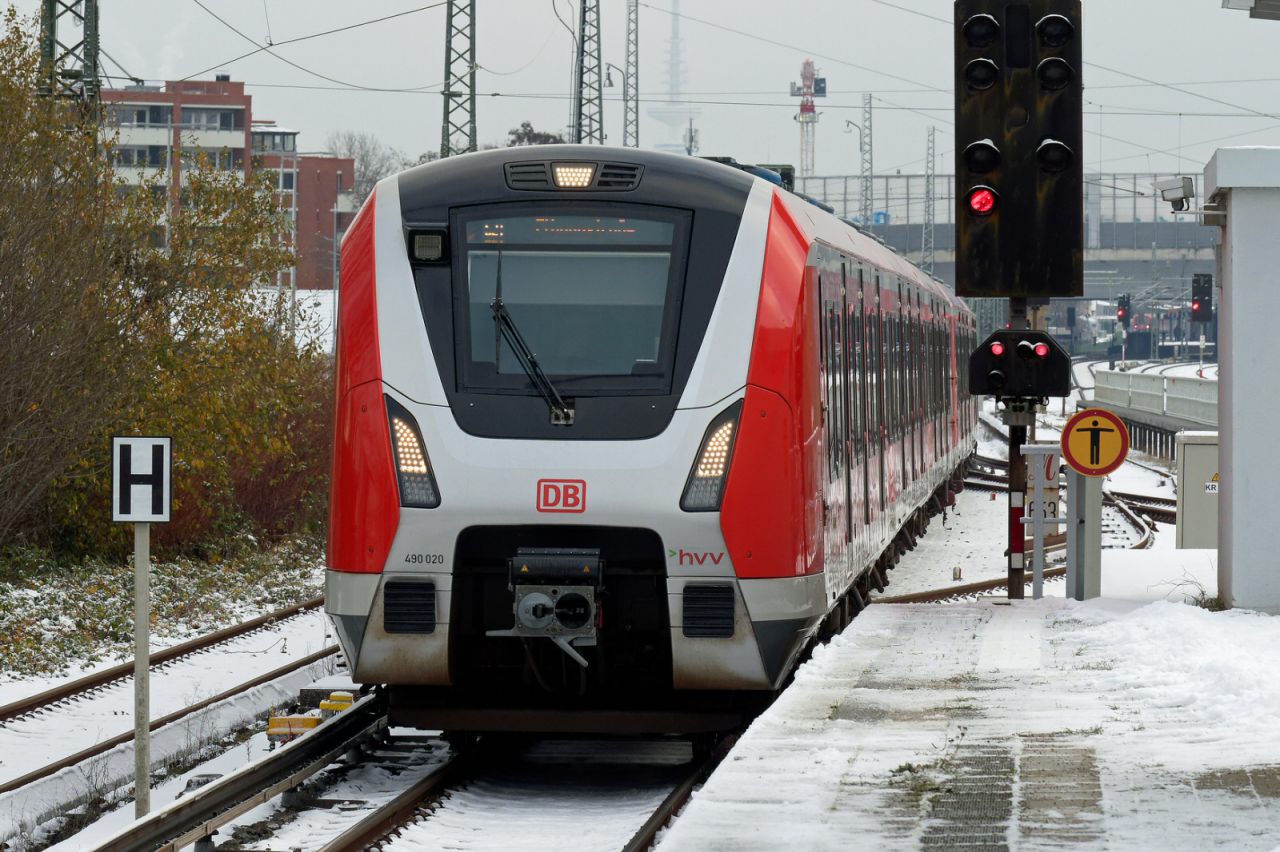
163	127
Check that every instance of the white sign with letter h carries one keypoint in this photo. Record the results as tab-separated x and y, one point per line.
141	479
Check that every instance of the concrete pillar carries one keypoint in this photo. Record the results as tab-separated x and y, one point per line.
1244	183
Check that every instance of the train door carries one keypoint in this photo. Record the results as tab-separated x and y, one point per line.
861	356
906	424
834	392
881	421
917	382
850	399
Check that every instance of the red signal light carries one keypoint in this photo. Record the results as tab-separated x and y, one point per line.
1042	350
1195	306
997	349
982	201
1121	313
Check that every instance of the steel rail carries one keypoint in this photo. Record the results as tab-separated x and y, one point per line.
967	590
387	819
199	815
644	837
158	658
107	745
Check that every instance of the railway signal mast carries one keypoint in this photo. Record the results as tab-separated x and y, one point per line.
588	114
69	68
459	126
1019	217
631	79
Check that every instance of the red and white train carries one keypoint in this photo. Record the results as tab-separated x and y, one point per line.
618	432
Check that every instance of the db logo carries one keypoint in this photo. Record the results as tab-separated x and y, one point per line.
562	495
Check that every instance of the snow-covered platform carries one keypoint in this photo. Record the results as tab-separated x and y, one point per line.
1120	723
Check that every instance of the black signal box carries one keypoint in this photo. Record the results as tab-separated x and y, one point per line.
1020	364
1019	148
1201	297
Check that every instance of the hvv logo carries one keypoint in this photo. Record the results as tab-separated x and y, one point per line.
562	495
691	557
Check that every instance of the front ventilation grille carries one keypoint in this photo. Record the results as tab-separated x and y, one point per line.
409	607
619	177
610	177
528	176
708	611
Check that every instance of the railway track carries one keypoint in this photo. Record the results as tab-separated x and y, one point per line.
1131	506
95	681
640	786
44	711
168	719
1162	509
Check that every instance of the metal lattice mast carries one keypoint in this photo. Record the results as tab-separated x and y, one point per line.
631	79
458	133
930	210
868	184
588	120
69	68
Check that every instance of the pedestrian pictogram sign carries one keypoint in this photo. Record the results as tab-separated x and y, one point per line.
1095	442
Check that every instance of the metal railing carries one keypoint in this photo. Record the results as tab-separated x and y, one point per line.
1189	399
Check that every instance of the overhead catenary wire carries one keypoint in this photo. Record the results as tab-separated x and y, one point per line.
268	48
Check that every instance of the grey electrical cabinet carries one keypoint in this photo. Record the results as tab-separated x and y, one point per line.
1198	479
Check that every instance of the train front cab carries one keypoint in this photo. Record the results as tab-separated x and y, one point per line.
692	607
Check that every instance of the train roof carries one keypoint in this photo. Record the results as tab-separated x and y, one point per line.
486	177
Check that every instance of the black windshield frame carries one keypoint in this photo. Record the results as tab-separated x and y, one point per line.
471	375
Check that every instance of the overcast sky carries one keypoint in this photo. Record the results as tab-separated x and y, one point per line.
1223	61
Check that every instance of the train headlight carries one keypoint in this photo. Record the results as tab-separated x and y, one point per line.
413	468
573	175
705	487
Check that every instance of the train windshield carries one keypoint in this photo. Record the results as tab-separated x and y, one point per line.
594	295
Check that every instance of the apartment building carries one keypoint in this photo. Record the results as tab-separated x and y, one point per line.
165	127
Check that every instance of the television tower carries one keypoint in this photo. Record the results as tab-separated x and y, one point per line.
674	114
811	86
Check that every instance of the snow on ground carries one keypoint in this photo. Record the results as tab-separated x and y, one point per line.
560	795
32	741
1116	723
35	740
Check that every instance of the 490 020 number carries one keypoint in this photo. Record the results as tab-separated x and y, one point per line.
424	559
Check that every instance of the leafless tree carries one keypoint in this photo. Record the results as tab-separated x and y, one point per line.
374	159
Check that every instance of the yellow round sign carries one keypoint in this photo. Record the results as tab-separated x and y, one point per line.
1095	442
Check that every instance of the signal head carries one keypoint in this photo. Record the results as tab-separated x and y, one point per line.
980	31
1054	73
981	74
982	156
983	200
1055	30
1054	156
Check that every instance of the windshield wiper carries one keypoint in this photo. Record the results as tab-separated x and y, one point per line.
561	413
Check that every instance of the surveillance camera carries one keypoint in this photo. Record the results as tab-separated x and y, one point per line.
1177	191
